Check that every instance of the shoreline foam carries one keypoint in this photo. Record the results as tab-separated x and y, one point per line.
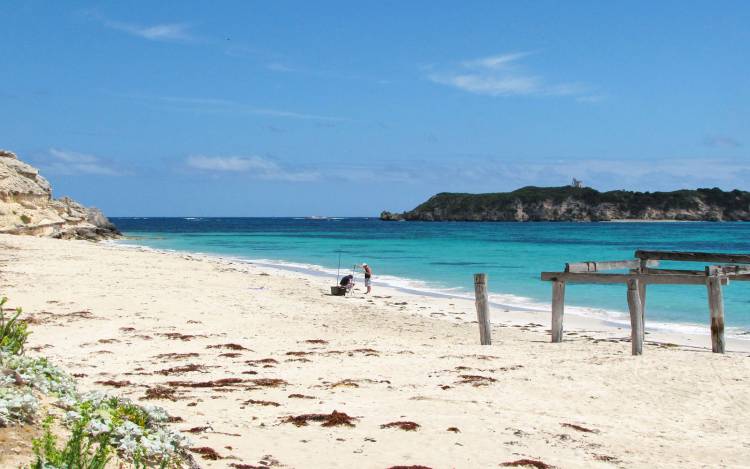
613	320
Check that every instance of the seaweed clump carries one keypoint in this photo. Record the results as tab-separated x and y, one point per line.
527	462
334	419
406	426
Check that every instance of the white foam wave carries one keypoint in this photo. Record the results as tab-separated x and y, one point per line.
497	300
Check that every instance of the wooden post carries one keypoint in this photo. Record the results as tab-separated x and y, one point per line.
716	306
558	310
636	317
483	309
642	296
642	293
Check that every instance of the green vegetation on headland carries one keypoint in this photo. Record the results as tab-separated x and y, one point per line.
570	203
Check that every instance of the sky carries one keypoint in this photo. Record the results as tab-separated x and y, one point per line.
341	108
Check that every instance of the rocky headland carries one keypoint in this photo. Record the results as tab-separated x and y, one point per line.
582	204
27	206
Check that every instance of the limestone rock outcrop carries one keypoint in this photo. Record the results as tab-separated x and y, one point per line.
27	206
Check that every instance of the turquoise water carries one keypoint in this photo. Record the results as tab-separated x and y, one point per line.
444	256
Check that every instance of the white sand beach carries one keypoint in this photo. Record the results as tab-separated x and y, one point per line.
236	349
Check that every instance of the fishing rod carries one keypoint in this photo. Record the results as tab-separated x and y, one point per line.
338	271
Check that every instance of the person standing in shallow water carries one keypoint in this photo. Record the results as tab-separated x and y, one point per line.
368	277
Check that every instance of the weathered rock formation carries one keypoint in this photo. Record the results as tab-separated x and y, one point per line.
27	206
582	204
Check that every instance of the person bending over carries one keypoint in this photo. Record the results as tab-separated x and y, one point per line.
347	281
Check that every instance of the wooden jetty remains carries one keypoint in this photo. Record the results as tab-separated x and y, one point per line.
642	271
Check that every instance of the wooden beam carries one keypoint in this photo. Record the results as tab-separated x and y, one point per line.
558	310
598	266
636	317
599	278
727	270
483	309
702	273
694	256
716	306
732	272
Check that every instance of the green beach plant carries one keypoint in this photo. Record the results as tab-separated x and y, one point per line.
17	405
39	374
81	451
104	426
13	332
98	428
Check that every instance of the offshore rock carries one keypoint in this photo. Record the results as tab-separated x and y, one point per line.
582	204
27	207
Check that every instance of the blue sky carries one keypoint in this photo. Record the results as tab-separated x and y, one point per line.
348	108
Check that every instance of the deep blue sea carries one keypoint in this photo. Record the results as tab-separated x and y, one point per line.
442	257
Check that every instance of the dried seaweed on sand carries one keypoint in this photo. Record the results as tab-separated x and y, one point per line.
334	419
579	428
161	392
403	425
207	453
476	380
527	463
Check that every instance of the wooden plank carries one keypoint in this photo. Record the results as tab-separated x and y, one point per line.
636	317
716	306
483	309
597	266
558	310
599	278
727	270
702	273
694	256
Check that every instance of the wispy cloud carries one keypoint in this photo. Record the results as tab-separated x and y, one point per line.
486	173
593	98
255	166
496	62
475	173
722	141
280	67
283	66
151	32
229	106
260	167
72	163
503	75
157	32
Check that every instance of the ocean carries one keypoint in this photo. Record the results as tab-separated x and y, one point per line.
441	258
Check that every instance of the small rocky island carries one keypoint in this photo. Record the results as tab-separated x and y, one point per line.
576	203
27	207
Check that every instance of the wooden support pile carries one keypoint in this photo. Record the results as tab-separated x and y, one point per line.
643	271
